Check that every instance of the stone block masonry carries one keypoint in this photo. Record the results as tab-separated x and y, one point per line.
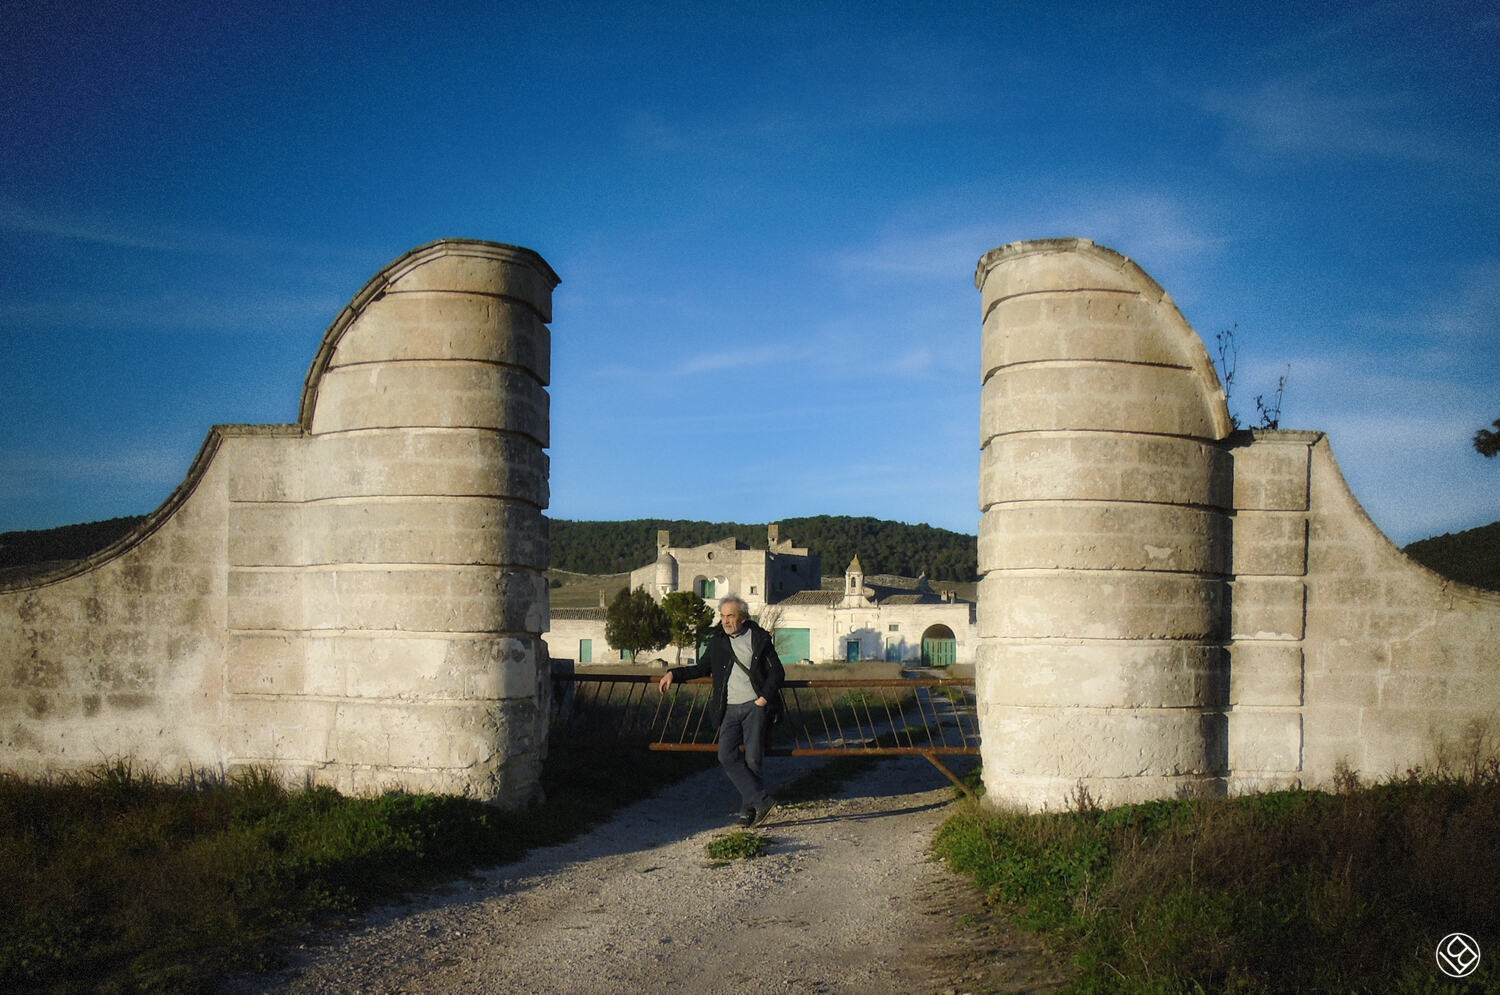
356	599
1168	607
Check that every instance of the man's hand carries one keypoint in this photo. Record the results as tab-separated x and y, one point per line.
665	682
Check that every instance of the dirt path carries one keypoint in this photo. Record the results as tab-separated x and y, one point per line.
846	900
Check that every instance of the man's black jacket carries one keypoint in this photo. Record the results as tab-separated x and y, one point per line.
717	659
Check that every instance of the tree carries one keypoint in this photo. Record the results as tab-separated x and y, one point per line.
1487	443
770	620
689	618
635	623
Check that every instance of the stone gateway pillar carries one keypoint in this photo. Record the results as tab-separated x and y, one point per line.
387	599
1104	536
355	600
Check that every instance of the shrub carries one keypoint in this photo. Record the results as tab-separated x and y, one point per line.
119	880
737	846
1290	890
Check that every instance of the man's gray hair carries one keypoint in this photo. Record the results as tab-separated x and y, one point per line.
734	599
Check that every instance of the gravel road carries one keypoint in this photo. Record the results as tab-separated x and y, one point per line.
845	900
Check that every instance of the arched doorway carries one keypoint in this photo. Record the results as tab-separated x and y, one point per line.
939	646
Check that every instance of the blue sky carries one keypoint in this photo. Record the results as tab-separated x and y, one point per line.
766	218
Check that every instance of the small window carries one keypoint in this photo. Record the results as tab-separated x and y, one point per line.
752	588
893	627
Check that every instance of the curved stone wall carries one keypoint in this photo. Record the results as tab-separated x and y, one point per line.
1104	536
1168	607
377	600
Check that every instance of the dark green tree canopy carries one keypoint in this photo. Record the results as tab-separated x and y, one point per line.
690	618
635	623
882	546
1487	442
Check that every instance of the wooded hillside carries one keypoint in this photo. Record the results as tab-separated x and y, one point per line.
882	546
1472	556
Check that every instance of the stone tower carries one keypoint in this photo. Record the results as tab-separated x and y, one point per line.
1104	536
854	583
387	593
666	565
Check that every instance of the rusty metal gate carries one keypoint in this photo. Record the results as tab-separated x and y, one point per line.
928	717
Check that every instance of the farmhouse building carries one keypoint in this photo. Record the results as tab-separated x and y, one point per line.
879	617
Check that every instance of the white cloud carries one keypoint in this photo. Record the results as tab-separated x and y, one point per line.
177	312
1460	313
1292	117
1140	223
27	219
24	219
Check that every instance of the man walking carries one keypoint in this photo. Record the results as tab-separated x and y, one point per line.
747	673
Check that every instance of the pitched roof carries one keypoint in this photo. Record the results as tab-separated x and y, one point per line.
826	598
579	614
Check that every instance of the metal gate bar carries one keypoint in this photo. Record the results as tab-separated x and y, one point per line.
928	717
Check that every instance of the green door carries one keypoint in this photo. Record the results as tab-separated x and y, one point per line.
793	644
851	651
939	652
585	651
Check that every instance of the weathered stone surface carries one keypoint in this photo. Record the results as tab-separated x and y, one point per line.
432	395
1265	742
1270	543
1095	396
1265	673
479	268
1080	743
434	529
1271	474
1077	324
1100	604
1104	536
1267	608
380	598
1145	674
1058	264
404	461
449	326
1098	466
387	667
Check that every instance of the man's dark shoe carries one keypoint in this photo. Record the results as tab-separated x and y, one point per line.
746	820
762	812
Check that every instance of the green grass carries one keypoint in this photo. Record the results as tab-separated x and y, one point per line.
120	881
1285	891
737	846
